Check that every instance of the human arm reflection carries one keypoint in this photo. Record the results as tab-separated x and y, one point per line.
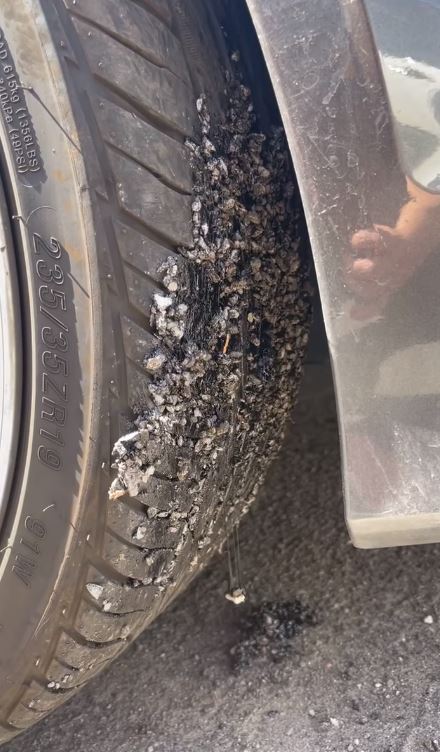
384	258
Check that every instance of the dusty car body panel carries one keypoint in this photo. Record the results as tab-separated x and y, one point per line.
358	86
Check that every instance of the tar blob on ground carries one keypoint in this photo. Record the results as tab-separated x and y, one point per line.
268	630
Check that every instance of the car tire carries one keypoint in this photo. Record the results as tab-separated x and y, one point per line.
98	100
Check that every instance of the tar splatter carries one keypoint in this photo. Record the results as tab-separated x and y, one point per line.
231	325
268	631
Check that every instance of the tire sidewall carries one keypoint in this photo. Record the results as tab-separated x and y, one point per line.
49	216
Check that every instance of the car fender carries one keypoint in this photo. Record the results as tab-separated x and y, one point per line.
358	88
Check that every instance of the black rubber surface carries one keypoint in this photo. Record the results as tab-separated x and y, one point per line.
100	97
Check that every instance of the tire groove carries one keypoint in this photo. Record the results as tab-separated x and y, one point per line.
130	545
149	232
157	175
107	570
76	13
144	113
161	14
114	614
160	286
66	665
92	644
96	607
139	318
164	240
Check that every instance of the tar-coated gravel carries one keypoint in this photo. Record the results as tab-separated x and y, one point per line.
231	326
364	674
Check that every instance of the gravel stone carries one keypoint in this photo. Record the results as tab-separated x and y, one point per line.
95	590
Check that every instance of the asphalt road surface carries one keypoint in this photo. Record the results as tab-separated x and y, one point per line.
362	673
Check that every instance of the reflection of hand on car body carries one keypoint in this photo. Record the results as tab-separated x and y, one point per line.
384	258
